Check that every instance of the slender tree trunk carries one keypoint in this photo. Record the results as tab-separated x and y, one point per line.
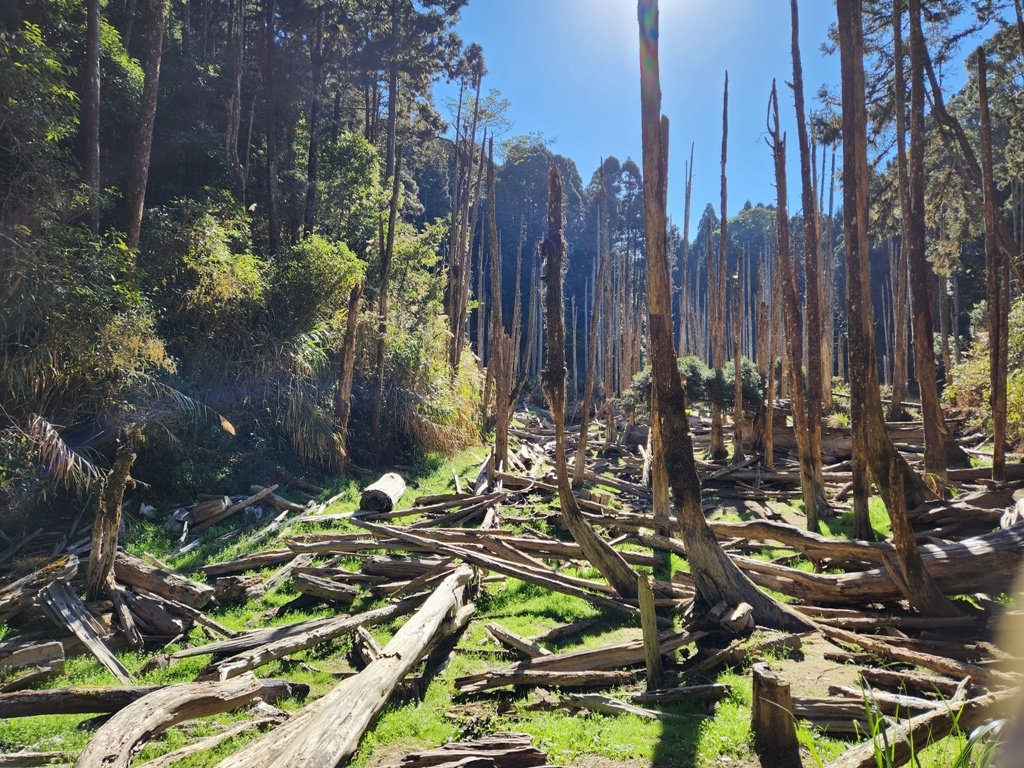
236	47
717	449
815	504
90	126
737	349
997	282
389	158
716	576
346	372
684	259
940	447
270	117
382	301
135	192
100	575
609	562
899	486
316	60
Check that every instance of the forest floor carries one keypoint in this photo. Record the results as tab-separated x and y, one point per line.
695	734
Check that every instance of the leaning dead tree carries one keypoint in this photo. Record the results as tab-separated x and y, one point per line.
899	486
792	326
100	575
997	285
716	577
608	561
815	503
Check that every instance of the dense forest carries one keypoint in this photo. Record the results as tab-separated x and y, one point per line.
258	284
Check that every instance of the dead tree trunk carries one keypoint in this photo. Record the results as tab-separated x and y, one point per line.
595	325
717	449
899	384
609	562
90	125
346	373
270	118
715	575
793	333
997	284
815	503
891	473
100	575
737	350
940	447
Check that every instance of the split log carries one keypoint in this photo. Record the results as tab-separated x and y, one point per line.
19	595
232	590
611	706
211	742
527	648
208	508
119	739
65	610
537	678
328	630
384	494
911	682
327	732
325	589
771	717
503	750
34	662
90	700
252	639
253	562
134	572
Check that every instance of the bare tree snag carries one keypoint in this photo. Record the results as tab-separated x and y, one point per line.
347	369
890	471
100	574
717	450
649	624
812	293
598	552
737	351
716	577
595	329
810	488
997	284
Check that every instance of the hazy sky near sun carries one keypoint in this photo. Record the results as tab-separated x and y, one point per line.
570	69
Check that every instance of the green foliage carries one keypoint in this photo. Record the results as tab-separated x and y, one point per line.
703	384
970	386
313	284
352	197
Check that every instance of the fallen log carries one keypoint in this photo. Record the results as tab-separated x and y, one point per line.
327	732
135	572
527	648
119	739
210	742
324	589
383	495
34	663
84	700
253	562
812	545
713	692
26	759
330	629
19	595
503	750
910	682
986	563
538	678
281	503
611	706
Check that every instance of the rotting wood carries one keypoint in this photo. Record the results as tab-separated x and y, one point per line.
176	756
218	517
771	712
19	595
384	494
135	572
527	648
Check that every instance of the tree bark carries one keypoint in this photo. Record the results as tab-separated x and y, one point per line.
316	60
609	562
897	483
815	503
236	48
940	447
997	284
100	574
717	449
90	128
899	385
270	118
346	370
135	192
715	575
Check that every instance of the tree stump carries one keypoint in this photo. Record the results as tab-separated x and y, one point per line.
383	495
771	718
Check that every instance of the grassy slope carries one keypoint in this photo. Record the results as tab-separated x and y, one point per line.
576	739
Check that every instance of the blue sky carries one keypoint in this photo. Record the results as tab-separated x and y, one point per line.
570	70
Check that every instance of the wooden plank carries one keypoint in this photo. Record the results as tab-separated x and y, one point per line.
65	610
19	595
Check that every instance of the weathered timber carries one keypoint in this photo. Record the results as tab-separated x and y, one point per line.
527	648
325	589
134	572
538	678
712	692
611	706
94	699
224	514
771	718
176	756
31	663
383	495
327	732
65	610
19	595
120	738
253	562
